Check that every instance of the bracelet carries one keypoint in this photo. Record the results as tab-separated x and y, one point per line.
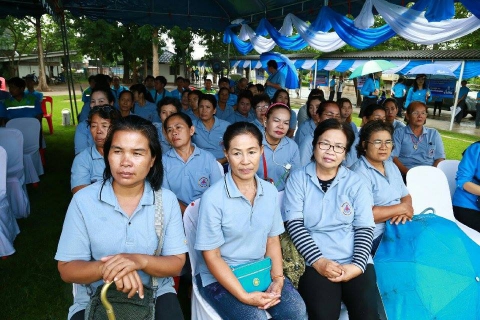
278	276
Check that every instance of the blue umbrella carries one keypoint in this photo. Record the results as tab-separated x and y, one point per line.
285	66
433	70
428	269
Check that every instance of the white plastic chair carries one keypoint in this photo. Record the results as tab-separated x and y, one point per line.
201	310
428	187
8	225
32	162
450	167
17	195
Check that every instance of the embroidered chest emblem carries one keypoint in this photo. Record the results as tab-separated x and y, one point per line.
346	208
203	182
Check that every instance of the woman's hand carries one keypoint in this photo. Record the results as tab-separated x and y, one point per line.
131	284
350	271
262	300
118	266
328	268
400	219
275	288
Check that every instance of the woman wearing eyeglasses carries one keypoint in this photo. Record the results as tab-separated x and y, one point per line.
415	144
88	165
419	91
280	153
390	195
328	214
260	104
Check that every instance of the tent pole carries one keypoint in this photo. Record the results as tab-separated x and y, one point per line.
457	89
315	75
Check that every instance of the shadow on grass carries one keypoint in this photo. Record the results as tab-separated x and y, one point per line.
30	285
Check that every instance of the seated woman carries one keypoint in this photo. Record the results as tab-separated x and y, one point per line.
193	98
243	110
166	107
282	96
224	107
465	199
189	170
346	111
126	103
260	105
209	129
185	102
308	127
390	195
373	112
109	230
145	106
280	153
415	144
302	112
239	222
328	214
88	165
83	138
391	110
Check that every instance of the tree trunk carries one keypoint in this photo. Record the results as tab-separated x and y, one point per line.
145	66
155	65
42	80
135	72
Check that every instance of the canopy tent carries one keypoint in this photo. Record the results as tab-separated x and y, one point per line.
205	14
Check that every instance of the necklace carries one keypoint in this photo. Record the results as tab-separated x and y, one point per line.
416	140
272	144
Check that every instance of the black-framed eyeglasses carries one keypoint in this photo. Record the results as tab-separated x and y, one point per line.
379	143
322	145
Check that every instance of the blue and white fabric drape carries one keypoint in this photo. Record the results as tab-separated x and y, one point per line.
434	25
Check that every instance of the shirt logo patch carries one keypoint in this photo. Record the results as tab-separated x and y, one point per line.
346	208
203	182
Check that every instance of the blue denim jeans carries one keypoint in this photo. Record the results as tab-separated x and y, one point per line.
228	307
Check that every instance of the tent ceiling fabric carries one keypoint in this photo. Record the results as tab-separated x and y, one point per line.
205	14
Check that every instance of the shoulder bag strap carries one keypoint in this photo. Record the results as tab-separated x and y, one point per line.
158	229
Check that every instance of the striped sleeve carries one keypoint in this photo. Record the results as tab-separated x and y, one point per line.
362	245
303	240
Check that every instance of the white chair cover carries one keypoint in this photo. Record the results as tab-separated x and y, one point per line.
450	167
8	225
32	162
17	195
428	187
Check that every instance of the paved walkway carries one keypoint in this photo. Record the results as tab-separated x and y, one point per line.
467	126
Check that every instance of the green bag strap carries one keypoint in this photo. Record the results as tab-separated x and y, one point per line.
158	229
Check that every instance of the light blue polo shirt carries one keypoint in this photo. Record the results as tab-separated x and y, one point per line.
237	117
259	126
354	128
278	78
148	111
166	146
116	92
419	95
285	153
189	180
229	222
293	120
468	171
159	96
211	141
193	116
428	150
83	138
38	95
95	226
329	217
232	99
399	90
87	167
370	86
306	150
387	190
397	124
83	116
352	157
306	129
176	94
224	114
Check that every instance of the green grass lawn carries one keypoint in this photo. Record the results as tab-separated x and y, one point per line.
30	286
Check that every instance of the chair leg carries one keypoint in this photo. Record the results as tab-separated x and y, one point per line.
50	125
42	155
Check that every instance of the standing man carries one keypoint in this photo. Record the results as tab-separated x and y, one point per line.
331	86
398	92
340	86
462	98
275	81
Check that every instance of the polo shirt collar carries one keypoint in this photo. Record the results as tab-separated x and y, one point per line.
283	142
409	130
367	164
95	154
232	190
172	153
311	171
107	195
